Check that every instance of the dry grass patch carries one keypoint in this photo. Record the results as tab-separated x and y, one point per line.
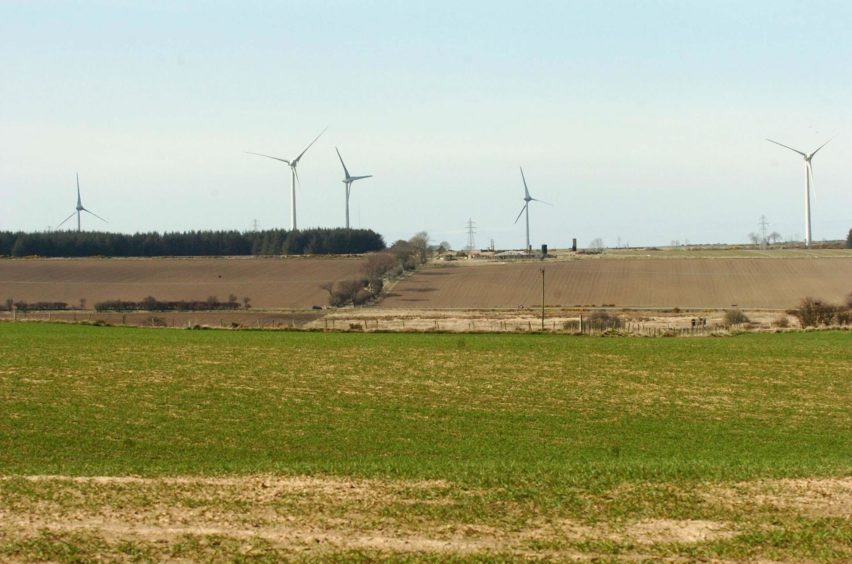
823	497
276	516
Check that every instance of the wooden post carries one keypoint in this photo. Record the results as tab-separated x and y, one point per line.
542	298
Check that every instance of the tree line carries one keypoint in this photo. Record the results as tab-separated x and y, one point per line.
317	241
402	256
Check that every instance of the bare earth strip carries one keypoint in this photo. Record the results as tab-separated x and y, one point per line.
316	515
270	282
776	283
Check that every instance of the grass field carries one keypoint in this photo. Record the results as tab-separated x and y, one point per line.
149	444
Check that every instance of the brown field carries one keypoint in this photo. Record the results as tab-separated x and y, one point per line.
291	284
765	283
275	283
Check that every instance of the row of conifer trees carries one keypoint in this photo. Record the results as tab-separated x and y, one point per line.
190	243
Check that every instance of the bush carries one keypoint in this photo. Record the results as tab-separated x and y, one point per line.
812	313
781	321
735	317
150	303
348	292
602	319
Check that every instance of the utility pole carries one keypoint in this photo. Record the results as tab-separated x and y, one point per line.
471	229
763	225
254	225
542	298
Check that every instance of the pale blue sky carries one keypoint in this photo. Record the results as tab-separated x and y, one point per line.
639	120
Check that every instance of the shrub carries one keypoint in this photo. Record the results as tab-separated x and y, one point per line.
735	317
348	292
781	321
602	319
812	313
362	296
378	264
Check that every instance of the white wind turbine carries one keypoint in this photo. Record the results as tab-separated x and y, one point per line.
79	209
526	208
809	181
348	182
292	163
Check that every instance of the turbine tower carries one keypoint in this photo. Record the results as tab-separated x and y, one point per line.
809	181
526	208
79	209
292	163
348	182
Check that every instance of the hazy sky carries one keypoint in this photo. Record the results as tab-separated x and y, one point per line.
639	120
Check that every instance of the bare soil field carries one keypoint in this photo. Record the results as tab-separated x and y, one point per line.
280	283
761	283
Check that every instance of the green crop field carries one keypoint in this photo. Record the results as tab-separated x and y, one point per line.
145	444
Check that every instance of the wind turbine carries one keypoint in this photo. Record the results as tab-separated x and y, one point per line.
292	163
809	181
526	208
79	209
348	181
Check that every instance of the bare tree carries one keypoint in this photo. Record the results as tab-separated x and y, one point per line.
379	264
420	242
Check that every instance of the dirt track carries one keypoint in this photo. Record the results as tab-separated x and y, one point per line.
772	283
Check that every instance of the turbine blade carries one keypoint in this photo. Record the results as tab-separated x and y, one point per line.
267	156
820	147
522	212
66	219
786	147
79	202
346	172
296	160
94	214
811	176
526	191
360	177
541	201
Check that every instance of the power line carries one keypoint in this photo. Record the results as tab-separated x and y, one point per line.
763	225
471	229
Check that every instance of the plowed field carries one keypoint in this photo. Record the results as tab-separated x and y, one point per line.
269	282
773	283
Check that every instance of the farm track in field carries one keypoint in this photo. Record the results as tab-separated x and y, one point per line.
651	283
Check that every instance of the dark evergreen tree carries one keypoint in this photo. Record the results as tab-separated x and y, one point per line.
190	243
